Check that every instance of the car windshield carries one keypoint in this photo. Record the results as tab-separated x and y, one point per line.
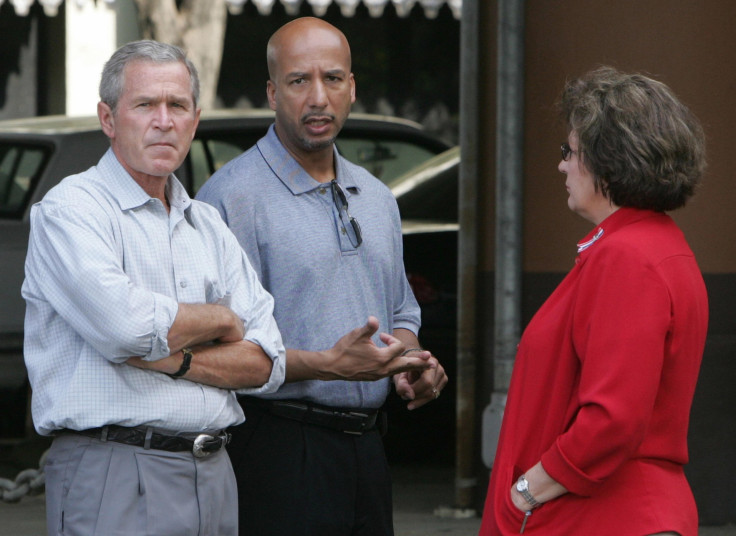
384	158
36	153
428	192
20	166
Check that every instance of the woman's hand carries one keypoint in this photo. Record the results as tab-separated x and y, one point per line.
541	486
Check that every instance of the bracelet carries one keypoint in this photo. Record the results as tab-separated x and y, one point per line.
411	350
184	364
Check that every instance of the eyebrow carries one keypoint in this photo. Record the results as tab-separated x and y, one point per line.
305	74
171	97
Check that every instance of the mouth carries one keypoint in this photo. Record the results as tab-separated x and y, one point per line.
162	145
317	124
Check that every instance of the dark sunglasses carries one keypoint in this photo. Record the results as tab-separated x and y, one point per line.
566	151
341	202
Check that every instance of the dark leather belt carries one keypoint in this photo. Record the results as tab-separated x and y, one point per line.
201	445
349	421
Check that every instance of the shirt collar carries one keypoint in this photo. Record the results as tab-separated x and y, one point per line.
130	195
291	173
621	218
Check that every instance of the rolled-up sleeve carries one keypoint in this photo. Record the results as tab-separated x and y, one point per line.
73	263
407	314
619	330
254	305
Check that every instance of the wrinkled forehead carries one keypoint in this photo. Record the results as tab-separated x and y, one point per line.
310	48
145	71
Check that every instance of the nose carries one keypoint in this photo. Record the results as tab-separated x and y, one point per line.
162	118
318	94
562	166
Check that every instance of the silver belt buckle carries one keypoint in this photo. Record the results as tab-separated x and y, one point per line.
198	447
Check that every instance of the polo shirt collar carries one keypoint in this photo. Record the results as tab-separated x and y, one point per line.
621	218
291	173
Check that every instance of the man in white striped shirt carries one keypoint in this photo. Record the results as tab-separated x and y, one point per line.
122	263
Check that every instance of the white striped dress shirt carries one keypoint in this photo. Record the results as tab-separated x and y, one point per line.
106	269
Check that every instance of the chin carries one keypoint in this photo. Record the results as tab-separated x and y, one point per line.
166	165
311	144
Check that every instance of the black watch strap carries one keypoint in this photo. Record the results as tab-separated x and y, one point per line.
185	364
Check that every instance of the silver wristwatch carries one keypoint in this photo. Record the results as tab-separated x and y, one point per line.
522	486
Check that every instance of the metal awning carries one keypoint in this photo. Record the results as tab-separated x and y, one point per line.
319	7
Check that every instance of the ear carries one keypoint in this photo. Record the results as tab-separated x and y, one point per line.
352	89
107	119
271	94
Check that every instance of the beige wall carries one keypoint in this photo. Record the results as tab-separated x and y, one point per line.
688	44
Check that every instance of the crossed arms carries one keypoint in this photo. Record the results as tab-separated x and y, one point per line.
223	359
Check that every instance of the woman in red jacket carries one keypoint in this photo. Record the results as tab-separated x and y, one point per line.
594	436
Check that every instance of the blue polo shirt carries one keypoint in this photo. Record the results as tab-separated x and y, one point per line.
322	283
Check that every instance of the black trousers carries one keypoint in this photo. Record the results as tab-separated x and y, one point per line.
298	479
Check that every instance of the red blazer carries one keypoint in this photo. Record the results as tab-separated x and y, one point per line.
602	388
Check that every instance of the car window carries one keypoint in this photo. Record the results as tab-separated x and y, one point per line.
20	165
386	159
207	155
429	192
200	168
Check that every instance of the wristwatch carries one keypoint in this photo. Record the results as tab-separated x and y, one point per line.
185	364
522	486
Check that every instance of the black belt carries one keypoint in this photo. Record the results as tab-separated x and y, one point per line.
350	421
200	445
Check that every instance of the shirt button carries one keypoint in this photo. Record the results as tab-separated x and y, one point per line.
322	191
344	231
183	284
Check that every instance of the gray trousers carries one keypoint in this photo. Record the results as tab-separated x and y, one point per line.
109	489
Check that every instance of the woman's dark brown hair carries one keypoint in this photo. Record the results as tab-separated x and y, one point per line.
643	146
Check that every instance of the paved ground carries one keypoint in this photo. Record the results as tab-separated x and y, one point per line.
419	492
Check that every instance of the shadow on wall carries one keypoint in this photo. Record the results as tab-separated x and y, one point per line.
712	434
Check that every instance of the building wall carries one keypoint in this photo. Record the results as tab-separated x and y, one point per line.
689	45
684	44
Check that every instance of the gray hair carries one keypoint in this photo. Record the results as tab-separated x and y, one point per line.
113	74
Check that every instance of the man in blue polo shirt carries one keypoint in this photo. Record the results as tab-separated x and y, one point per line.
325	238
